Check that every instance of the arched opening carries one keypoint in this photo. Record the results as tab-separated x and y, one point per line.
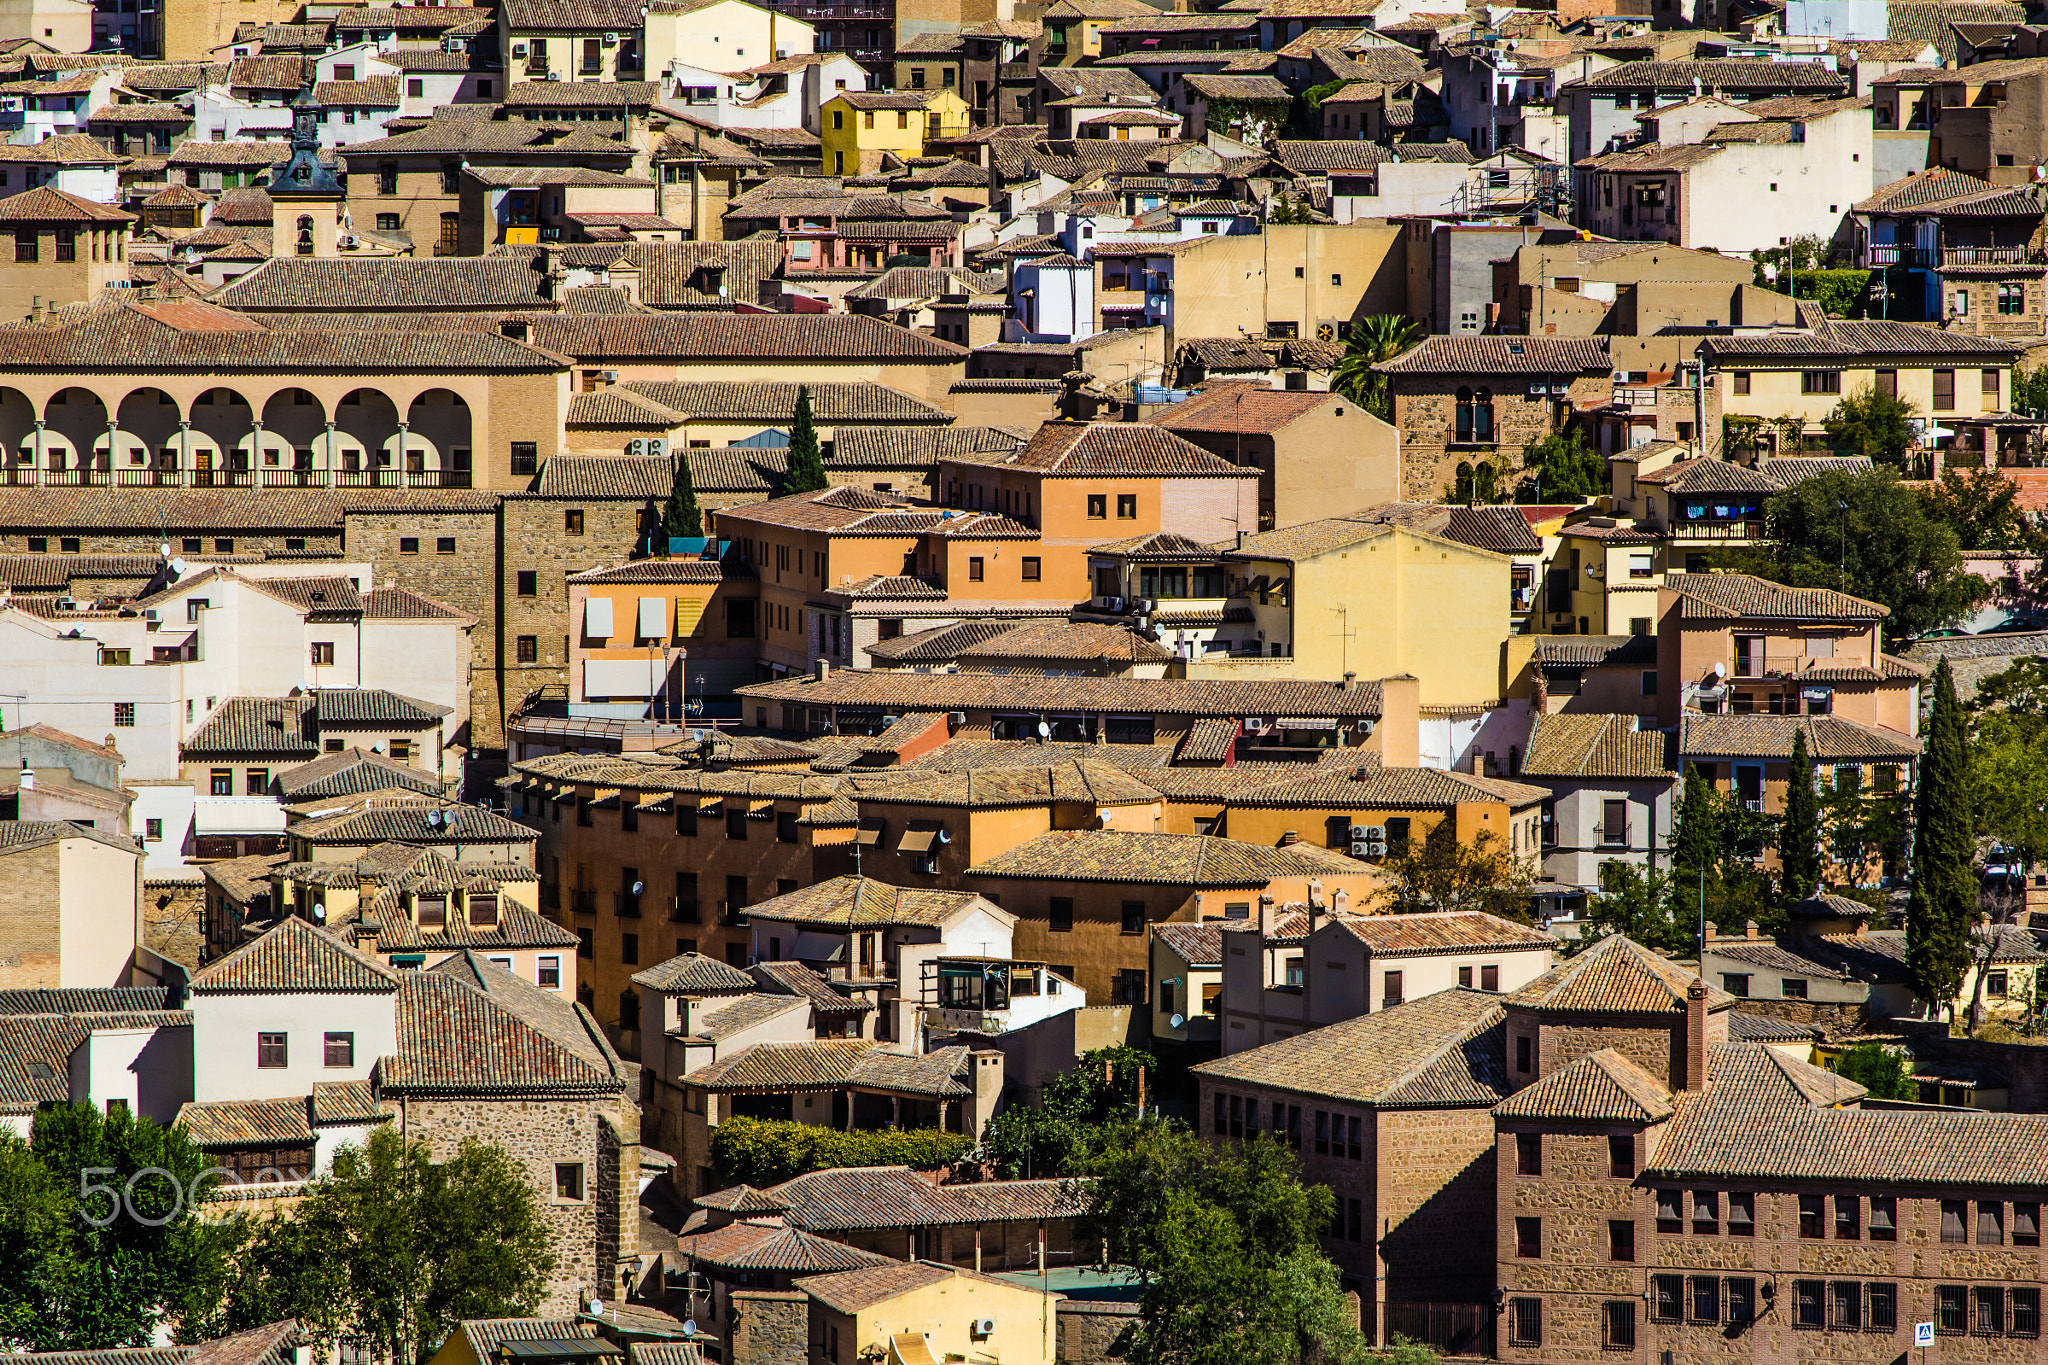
17	436
437	440
74	425
293	440
1475	416
223	429
365	439
149	448
305	226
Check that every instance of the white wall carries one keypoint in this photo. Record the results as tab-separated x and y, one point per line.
99	912
149	1069
224	1029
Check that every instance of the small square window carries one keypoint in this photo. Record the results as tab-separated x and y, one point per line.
223	545
1127	506
444	545
528	583
408	545
569	1181
323	652
124	715
572	525
270	1051
528	649
339	1049
68	544
1031	568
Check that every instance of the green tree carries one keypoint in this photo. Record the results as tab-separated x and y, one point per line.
1715	843
1056	1136
1563	468
1877	425
1289	208
680	518
2009	778
1871	536
393	1249
806	465
1861	829
1379	337
1885	1072
760	1152
1944	885
1647	907
2017	694
1982	508
2030	390
1438	872
1696	827
66	1281
1799	861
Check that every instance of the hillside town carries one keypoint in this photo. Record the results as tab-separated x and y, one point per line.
1023	682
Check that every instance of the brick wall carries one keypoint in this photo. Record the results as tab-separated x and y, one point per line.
29	943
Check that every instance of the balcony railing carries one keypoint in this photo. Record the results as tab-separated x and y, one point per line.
1635	398
1879	254
1717	530
683	910
626	905
33	476
583	900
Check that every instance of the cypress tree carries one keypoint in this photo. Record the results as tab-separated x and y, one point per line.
681	517
1799	834
806	465
1944	893
1695	837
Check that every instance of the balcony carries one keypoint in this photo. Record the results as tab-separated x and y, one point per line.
1635	398
583	900
1717	530
1880	254
626	904
683	910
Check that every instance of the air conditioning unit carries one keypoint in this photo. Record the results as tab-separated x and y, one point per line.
554	75
611	376
519	49
657	446
151	614
350	241
984	1327
611	40
1114	603
551	234
1365	848
636	447
1368	833
1254	723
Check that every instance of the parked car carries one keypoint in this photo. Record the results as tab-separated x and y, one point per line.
2013	625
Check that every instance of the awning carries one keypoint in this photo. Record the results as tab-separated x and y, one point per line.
597	618
653	624
1307	722
623	677
237	815
920	837
870	831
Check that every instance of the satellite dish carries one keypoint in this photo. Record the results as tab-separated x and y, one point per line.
1044	730
319	912
689	1327
164	550
637	887
1176	1021
433	819
597	1305
178	567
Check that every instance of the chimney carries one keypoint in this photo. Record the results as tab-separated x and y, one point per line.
820	670
1478	765
1749	928
1340	901
1349	679
1266	918
1240	545
1290	837
1696	1035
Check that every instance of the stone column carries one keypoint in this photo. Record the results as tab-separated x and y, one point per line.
184	453
256	453
329	480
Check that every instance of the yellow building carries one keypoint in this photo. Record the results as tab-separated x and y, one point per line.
859	126
651	629
1287	281
923	1312
1944	375
1356	595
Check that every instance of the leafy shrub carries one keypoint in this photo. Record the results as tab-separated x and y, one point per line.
762	1152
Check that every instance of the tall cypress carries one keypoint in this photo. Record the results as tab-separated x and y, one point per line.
681	517
1696	834
1944	893
1799	834
806	465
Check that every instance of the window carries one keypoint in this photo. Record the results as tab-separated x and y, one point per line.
1990	1224
1808	1307
785	827
1953	1214
1525	1322
1994	983
408	545
153	831
1944	390
1474	416
1736	984
1792	987
974	569
323	653
1060	914
221	782
1032	568
114	658
1098	506
1883	1219
1391	990
525	457
1706	1212
572	522
25	245
1951	1309
1989	1319
1740	1295
1705	1299
1489	978
387	178
2026	1311
1812	1208
1522	1053
1667	1295
1134	917
67	244
1738	381
1528	1154
270	1051
528	649
256	781
1621	1157
1741	1214
1618	1325
1820	381
340	1049
2012	298
1669	1217
584	944
2026	1225
1614	822
444	545
1845	1305
569	1181
1649	682
124	715
1881	1307
629	949
1621	1239
736	825
1529	1238
1127	506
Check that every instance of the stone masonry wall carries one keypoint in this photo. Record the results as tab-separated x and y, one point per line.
769	1327
1086	1331
30	949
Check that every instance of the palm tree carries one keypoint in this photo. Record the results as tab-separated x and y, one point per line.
1379	337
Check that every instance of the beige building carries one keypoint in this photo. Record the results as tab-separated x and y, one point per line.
924	1312
70	905
66	250
1288	281
1311	449
595	41
65	25
722	35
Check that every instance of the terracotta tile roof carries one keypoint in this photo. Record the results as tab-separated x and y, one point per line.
914	447
374	92
352	772
1108	855
1603	1087
1829	739
809	985
1614	976
46	205
254	725
1846	341
1576	746
855	1291
83	999
864	1197
740	1199
233	1123
695	974
1446	931
1595	651
1371	786
1063	449
1208	740
456	1038
1012	785
285	72
1710	476
1937	186
1245	410
1200	945
372	706
1071	641
244	881
1161	697
345	1102
753	337
573	94
856	902
1714	597
485	1334
58	571
141	111
571	15
403	604
1764	1028
1828	904
1716	75
835	1063
295	958
1441	1051
746	401
780	1250
1502	355
408	824
655	571
433	284
203	336
35	1052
